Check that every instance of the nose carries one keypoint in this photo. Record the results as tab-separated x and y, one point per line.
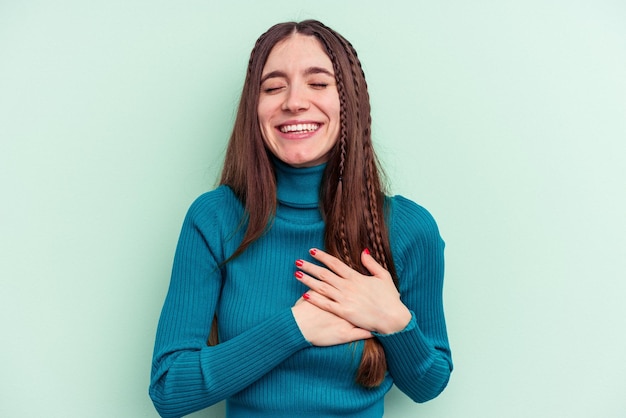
296	99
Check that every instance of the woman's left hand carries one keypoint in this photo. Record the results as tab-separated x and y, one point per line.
368	302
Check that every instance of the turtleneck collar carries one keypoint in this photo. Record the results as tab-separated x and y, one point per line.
297	190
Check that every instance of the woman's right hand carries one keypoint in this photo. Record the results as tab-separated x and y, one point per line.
322	328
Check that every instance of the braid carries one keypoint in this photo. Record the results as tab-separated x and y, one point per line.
343	134
352	193
342	163
369	192
376	235
339	194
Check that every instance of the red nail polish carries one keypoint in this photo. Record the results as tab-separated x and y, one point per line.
298	274
366	251
306	296
313	251
299	263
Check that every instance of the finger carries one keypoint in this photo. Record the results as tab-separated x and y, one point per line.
318	286
372	265
322	302
319	273
333	263
353	332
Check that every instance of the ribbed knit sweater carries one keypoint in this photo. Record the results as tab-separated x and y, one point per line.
263	365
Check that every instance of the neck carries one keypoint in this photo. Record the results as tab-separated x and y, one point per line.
297	190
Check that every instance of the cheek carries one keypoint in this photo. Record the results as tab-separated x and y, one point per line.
266	107
336	118
335	110
263	119
261	113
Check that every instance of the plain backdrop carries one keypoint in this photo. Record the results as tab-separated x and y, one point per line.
506	119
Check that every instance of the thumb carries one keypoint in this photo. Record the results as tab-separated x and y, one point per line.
372	265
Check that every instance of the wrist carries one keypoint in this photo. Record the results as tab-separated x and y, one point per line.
397	321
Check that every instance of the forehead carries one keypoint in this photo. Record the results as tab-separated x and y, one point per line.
297	52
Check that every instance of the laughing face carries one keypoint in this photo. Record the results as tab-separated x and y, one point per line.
299	107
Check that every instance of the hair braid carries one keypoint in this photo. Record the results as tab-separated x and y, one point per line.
343	133
373	365
376	236
339	196
373	222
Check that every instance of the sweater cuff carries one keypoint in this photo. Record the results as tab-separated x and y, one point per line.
410	326
410	339
284	323
291	326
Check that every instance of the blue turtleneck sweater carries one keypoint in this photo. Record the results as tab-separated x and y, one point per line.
263	365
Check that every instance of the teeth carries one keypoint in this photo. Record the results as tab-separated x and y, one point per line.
300	127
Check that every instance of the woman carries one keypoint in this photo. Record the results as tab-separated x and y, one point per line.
324	291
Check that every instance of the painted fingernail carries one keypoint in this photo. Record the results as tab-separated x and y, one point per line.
299	263
306	296
313	251
298	274
366	251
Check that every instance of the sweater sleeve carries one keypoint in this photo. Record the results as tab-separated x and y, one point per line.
418	357
187	375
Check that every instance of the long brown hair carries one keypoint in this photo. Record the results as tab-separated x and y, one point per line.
351	195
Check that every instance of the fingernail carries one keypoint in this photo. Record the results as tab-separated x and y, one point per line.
306	296
312	251
299	263
298	274
366	251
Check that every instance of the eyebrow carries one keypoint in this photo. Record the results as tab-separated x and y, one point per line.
308	71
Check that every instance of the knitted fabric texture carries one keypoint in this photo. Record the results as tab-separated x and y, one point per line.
263	365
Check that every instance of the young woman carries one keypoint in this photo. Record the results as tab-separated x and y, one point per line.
320	291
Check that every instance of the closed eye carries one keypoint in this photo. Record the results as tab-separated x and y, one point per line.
271	89
319	85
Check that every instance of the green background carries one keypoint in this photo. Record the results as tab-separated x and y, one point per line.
506	119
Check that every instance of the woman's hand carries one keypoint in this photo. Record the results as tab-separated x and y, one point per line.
322	328
369	302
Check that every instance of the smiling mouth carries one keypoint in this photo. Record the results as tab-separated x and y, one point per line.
300	127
